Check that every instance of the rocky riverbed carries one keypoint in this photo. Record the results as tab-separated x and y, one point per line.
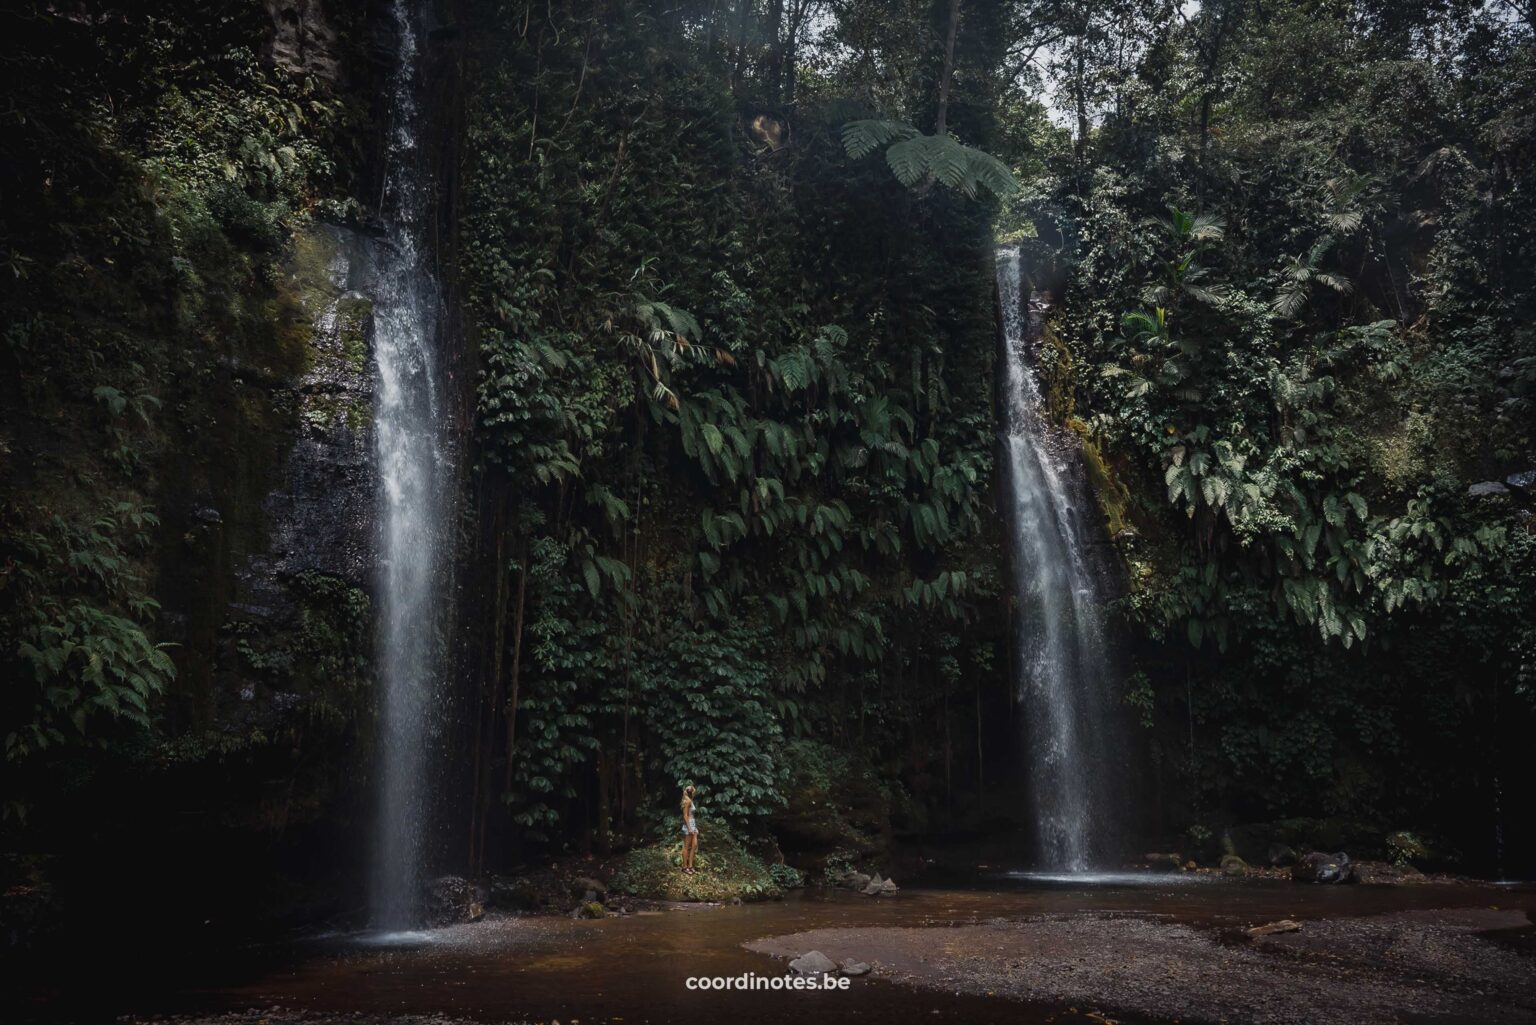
1420	965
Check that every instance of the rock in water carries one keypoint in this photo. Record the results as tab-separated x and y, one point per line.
1281	855
1319	867
889	886
855	968
1163	862
1232	865
449	899
855	880
1284	925
813	962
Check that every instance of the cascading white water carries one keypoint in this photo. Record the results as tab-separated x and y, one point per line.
1063	665
409	444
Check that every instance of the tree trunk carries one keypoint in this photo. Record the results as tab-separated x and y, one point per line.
486	726
604	844
941	123
517	666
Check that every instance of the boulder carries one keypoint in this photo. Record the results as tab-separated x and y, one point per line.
1232	865
513	894
1487	489
855	968
1284	925
1384	873
854	880
1168	862
1319	867
1280	855
873	886
590	909
813	962
448	899
583	885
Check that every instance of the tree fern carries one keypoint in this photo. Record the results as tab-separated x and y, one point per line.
917	160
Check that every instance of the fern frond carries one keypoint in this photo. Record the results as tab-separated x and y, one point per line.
861	138
908	161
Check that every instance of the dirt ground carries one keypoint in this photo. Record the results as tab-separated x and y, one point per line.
1407	967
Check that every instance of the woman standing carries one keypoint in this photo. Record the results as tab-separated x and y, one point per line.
690	831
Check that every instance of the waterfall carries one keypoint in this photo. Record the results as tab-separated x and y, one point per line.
1062	668
410	448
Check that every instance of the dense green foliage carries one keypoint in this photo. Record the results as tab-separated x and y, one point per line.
723	333
1293	330
1295	247
730	383
154	172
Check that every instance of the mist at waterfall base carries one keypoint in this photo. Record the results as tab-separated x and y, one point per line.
413	475
1063	668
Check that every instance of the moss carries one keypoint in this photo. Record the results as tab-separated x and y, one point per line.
1059	373
352	315
1113	497
726	870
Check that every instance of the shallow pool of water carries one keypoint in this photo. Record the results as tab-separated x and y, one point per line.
633	969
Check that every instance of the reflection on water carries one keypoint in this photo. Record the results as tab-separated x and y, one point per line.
1110	878
633	969
400	938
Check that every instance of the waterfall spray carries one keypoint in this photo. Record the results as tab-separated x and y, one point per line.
412	474
1063	666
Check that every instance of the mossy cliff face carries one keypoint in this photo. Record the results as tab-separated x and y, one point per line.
289	648
185	439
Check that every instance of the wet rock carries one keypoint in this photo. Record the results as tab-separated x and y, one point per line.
590	909
1381	873
1523	482
1232	865
1280	855
1319	867
813	962
877	886
307	547
302	41
1166	862
854	880
449	899
588	888
1284	925
855	968
514	894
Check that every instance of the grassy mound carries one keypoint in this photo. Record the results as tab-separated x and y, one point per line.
726	869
